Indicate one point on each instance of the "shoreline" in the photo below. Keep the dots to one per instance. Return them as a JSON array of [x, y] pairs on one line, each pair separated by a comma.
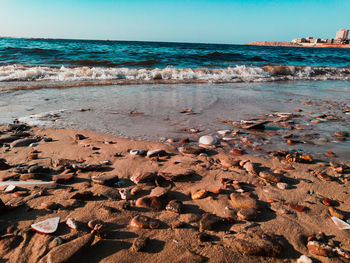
[[234, 206], [290, 44]]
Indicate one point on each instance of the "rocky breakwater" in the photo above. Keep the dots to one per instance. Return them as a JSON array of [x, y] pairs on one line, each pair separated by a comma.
[[90, 197]]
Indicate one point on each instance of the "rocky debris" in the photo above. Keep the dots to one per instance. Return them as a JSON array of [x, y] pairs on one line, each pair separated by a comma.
[[274, 178], [82, 195], [191, 150], [239, 201], [4, 165], [247, 214], [174, 206], [139, 244], [156, 153], [47, 226], [207, 140], [152, 202], [267, 245], [140, 221], [23, 142], [85, 167], [142, 177], [199, 194], [209, 222], [70, 251], [105, 179]]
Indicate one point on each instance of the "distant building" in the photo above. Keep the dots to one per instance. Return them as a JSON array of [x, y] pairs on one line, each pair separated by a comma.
[[342, 34]]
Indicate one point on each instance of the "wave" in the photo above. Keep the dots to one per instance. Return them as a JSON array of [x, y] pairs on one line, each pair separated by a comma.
[[12, 73]]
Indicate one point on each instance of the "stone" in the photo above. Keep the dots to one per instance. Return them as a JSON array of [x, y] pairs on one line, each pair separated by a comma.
[[82, 195], [250, 168], [191, 150], [49, 205], [47, 226], [142, 177], [124, 194], [105, 179], [137, 152], [304, 259], [139, 244], [72, 223], [8, 138], [70, 251], [337, 213], [320, 249], [85, 167], [29, 176], [199, 194], [224, 132], [156, 153], [23, 142], [174, 206], [256, 245], [209, 222], [159, 191], [63, 178], [274, 178], [207, 140], [282, 186], [239, 201], [38, 169], [4, 165], [247, 214], [152, 202], [144, 222]]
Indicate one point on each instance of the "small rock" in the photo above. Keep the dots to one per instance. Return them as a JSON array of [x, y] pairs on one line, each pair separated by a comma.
[[200, 194], [23, 142], [105, 179], [250, 168], [71, 223], [239, 201], [207, 140], [304, 259], [274, 178], [49, 205], [144, 222], [125, 194], [152, 202], [156, 153], [336, 212], [137, 152], [139, 244], [63, 178], [174, 206], [159, 192], [282, 186], [191, 150], [84, 167], [142, 177], [247, 214], [224, 132]]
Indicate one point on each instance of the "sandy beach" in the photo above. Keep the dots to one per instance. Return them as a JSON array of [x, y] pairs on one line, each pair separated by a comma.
[[120, 200]]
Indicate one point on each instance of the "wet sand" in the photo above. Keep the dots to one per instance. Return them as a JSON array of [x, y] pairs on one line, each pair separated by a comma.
[[231, 206]]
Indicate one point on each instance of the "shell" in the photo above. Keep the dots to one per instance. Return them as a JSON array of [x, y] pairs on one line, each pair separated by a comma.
[[207, 140], [47, 226]]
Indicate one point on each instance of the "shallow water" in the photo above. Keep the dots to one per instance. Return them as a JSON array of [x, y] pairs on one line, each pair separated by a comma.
[[110, 107]]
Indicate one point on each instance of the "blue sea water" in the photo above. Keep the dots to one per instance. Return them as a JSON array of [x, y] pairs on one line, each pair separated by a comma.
[[81, 60]]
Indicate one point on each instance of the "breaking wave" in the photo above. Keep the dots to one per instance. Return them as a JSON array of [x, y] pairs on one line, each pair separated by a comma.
[[12, 73]]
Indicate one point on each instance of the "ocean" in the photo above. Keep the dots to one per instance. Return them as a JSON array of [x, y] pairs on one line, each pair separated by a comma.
[[100, 85]]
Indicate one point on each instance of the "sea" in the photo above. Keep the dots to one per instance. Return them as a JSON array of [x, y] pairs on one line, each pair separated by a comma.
[[138, 89]]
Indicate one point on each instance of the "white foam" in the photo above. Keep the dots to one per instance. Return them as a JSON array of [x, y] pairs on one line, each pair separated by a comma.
[[230, 74]]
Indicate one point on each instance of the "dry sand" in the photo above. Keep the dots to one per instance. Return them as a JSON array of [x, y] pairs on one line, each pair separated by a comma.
[[278, 233]]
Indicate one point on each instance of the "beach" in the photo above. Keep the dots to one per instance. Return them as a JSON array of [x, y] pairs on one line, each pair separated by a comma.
[[175, 152]]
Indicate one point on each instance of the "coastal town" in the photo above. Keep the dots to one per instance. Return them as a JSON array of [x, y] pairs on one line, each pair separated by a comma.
[[341, 40]]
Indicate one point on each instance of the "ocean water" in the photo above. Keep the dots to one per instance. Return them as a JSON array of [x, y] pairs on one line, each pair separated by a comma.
[[81, 85], [60, 60]]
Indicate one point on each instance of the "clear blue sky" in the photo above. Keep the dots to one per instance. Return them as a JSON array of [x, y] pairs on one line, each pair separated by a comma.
[[210, 21]]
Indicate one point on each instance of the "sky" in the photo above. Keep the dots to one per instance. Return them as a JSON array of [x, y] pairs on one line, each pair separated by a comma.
[[204, 21]]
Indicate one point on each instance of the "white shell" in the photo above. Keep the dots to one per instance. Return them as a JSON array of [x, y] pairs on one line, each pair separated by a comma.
[[72, 223], [137, 152], [10, 188], [340, 223], [47, 226], [207, 140], [224, 132]]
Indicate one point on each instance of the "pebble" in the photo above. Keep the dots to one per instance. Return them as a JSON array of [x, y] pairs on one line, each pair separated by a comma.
[[139, 244], [199, 195], [137, 152], [282, 186], [195, 150], [247, 214], [62, 178], [105, 179], [207, 140], [274, 178], [156, 153], [125, 194], [23, 142], [152, 202], [85, 167], [159, 191], [250, 168], [174, 206], [145, 222], [71, 223], [224, 132], [304, 259], [142, 177], [49, 205], [239, 201]]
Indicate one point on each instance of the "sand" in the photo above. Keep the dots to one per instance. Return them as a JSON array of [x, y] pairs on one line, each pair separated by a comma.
[[285, 219]]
